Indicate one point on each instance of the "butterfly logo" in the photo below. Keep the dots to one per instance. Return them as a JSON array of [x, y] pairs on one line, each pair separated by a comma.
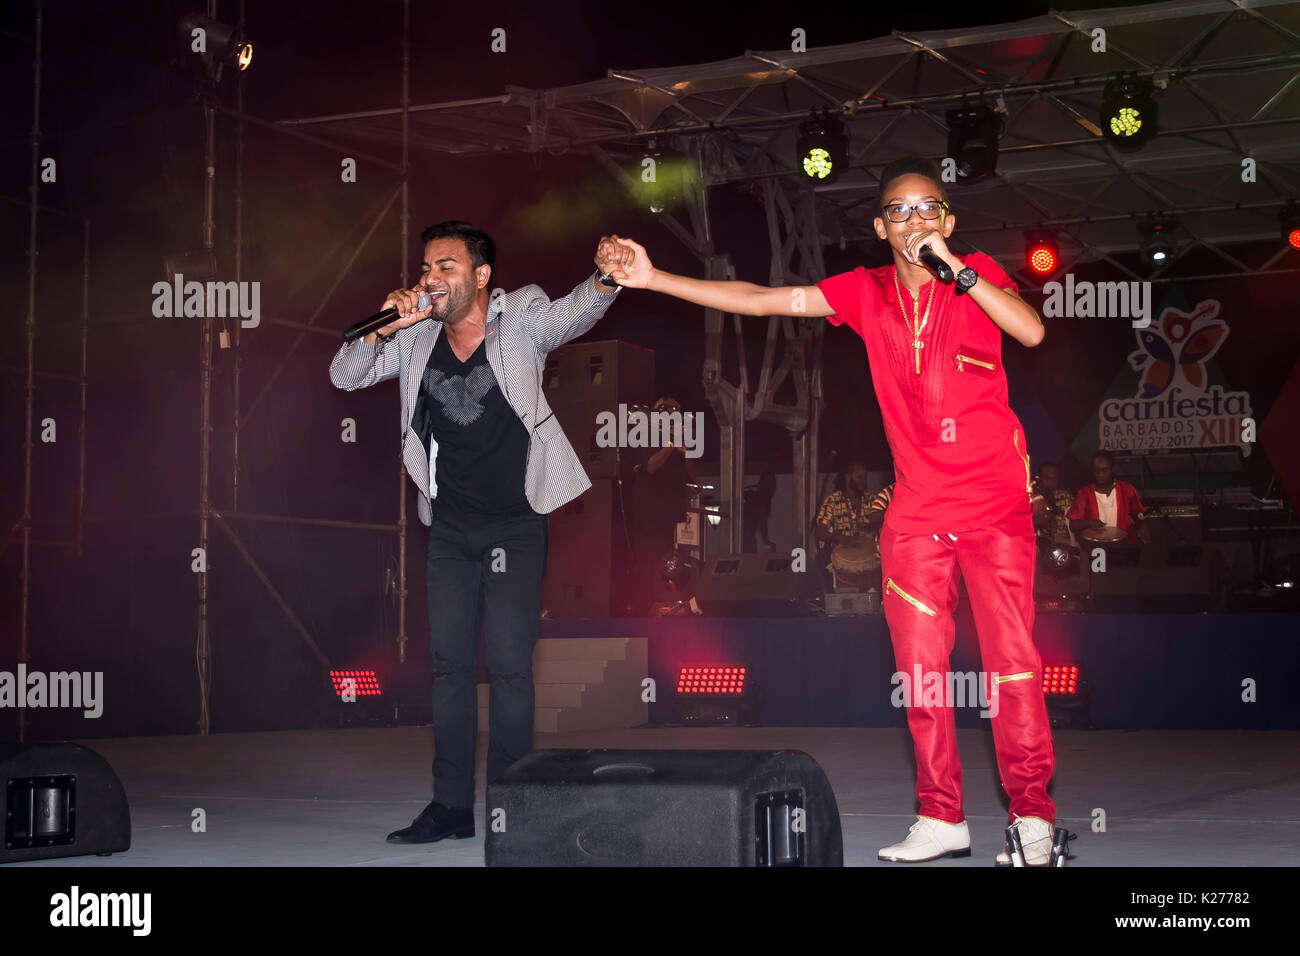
[[1180, 348]]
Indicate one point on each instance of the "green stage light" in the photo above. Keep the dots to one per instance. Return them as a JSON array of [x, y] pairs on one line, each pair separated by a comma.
[[1128, 113], [822, 149]]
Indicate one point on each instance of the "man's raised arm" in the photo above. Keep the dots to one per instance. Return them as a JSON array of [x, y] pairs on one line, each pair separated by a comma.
[[742, 298]]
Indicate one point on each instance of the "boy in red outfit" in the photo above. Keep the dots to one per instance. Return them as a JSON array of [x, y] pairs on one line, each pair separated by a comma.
[[962, 502]]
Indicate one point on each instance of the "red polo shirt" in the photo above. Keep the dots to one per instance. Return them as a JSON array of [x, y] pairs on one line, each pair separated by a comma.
[[960, 454]]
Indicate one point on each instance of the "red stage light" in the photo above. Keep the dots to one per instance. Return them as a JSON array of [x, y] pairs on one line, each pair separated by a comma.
[[1042, 254], [1042, 260], [362, 683], [1288, 220], [1061, 679], [716, 680]]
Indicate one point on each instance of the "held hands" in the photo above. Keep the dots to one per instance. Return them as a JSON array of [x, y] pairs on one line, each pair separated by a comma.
[[625, 261]]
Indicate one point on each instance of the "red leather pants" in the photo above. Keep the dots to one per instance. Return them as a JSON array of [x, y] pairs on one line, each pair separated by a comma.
[[921, 572]]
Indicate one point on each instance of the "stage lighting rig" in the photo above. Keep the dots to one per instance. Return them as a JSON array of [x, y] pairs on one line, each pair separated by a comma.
[[662, 178], [215, 43], [1156, 239], [1042, 254], [1128, 111], [822, 149], [1288, 221], [973, 142]]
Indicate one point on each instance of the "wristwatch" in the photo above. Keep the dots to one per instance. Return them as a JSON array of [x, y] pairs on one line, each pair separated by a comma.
[[965, 279], [605, 279]]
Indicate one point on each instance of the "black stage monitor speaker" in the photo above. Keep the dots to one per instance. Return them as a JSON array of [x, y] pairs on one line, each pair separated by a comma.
[[60, 800], [583, 379], [663, 808], [755, 585], [1160, 578], [585, 555]]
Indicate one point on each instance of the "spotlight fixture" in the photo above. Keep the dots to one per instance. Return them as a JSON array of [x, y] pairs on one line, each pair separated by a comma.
[[662, 177], [215, 43], [716, 694], [1288, 220], [973, 142], [358, 698], [1128, 112], [1156, 239], [822, 149], [1068, 697], [1042, 254]]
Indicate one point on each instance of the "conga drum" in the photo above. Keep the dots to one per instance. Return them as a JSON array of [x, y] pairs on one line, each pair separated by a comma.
[[854, 564]]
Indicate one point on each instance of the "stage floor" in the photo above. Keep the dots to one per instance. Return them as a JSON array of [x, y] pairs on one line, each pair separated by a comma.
[[328, 798]]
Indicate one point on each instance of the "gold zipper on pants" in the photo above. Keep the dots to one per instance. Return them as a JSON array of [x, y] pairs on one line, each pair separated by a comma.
[[1023, 675], [907, 597], [1029, 481]]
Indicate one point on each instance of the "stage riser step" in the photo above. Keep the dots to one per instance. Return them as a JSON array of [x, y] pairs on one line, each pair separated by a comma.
[[584, 693], [584, 649]]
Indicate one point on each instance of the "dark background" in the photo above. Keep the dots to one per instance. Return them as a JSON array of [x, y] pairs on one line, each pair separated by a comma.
[[119, 116]]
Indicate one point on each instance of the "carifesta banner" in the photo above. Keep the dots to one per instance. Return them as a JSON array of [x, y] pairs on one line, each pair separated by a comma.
[[1170, 394]]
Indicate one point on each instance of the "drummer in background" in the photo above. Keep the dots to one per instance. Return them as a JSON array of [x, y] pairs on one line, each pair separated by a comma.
[[1108, 503], [842, 517], [1052, 504], [876, 510]]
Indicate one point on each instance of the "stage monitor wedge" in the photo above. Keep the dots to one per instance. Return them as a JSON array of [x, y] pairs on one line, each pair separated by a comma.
[[61, 799], [663, 808]]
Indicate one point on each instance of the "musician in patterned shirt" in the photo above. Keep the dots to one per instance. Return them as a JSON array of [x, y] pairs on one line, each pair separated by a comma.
[[842, 517]]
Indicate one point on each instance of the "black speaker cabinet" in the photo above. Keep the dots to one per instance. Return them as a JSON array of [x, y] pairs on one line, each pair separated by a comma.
[[584, 379], [1159, 577], [60, 800], [755, 585], [663, 808], [586, 556]]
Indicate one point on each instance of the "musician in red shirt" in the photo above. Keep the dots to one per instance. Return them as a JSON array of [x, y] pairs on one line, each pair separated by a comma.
[[1108, 503], [961, 507]]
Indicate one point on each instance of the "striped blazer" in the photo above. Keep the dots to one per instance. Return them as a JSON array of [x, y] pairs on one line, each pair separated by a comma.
[[521, 328]]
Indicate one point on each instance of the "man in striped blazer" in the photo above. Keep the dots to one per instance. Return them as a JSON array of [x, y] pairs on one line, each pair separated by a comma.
[[489, 461]]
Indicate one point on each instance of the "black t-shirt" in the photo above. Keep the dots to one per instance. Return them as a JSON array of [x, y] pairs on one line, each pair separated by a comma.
[[482, 444]]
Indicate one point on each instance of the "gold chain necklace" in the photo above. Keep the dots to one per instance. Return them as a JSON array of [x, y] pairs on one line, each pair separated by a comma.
[[917, 344]]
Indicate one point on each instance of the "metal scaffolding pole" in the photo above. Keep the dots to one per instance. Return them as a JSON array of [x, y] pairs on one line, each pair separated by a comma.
[[406, 238], [203, 648], [78, 541], [211, 108], [30, 387], [239, 274]]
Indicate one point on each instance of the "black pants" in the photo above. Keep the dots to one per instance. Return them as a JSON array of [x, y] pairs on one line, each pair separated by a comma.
[[482, 570]]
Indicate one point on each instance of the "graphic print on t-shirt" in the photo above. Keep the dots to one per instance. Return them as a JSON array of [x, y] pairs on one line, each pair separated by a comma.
[[460, 397]]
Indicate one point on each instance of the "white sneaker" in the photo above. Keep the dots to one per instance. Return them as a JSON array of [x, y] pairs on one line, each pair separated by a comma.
[[929, 839], [1035, 840]]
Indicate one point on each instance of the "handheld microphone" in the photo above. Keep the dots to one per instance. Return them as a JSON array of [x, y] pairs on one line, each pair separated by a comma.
[[379, 320], [940, 268]]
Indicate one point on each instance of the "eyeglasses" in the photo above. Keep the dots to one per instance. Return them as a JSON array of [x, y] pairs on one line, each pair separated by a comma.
[[901, 211]]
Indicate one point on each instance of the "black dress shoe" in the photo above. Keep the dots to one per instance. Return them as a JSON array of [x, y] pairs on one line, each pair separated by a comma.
[[436, 822]]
